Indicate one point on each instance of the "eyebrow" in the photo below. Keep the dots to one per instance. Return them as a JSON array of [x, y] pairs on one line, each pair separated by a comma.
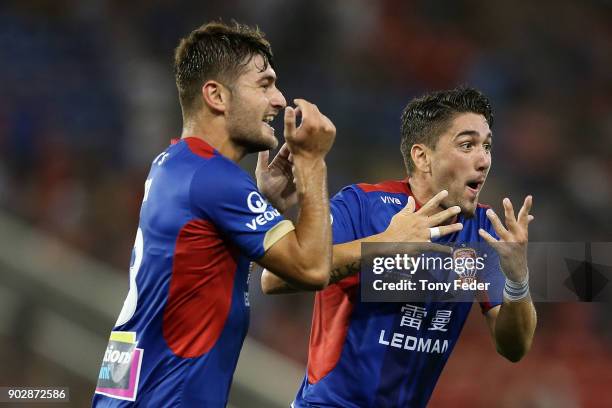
[[267, 77], [472, 133]]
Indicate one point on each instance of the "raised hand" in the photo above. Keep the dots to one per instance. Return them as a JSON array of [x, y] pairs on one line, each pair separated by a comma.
[[275, 180], [513, 238], [410, 226], [315, 135]]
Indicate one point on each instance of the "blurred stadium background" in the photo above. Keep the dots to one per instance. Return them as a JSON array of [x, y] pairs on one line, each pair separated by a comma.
[[87, 99]]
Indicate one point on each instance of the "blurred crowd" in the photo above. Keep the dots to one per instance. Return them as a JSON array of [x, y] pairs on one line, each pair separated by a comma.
[[87, 100]]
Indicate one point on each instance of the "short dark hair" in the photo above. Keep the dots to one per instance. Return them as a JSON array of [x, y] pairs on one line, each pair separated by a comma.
[[425, 118], [216, 51]]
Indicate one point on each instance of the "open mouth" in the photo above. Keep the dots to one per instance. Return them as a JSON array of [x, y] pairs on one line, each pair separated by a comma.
[[474, 186], [267, 120]]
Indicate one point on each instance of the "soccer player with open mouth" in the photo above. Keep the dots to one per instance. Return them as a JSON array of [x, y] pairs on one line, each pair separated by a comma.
[[203, 220], [383, 354]]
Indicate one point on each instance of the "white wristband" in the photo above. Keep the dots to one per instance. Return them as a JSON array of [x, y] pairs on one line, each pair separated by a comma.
[[515, 291]]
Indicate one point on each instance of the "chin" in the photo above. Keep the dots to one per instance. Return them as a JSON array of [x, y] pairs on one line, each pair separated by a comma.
[[257, 144], [469, 211], [266, 145], [265, 141]]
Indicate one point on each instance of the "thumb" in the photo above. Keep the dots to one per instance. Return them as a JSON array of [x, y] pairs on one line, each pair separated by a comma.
[[410, 206], [262, 161], [289, 123]]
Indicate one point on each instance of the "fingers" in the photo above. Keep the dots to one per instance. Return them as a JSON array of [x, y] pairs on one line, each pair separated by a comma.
[[442, 216], [410, 205], [289, 123], [487, 237], [283, 151], [523, 215], [307, 109], [429, 207], [530, 218], [501, 231], [328, 124], [449, 229], [262, 161], [509, 213], [281, 160], [282, 164]]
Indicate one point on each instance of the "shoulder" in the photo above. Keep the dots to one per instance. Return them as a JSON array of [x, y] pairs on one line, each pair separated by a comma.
[[391, 186], [222, 172], [365, 190], [377, 198], [393, 194], [208, 158], [220, 180]]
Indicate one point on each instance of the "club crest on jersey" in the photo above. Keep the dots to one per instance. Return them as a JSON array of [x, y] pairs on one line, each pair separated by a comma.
[[256, 203], [464, 260]]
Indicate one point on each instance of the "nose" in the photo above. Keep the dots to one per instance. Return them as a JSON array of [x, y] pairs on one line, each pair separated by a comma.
[[278, 100], [483, 160]]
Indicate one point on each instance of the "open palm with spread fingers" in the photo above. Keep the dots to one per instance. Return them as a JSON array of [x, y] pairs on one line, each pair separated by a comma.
[[513, 238], [409, 225]]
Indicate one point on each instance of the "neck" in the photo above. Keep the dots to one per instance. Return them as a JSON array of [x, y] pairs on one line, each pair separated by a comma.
[[422, 191], [213, 131], [420, 187]]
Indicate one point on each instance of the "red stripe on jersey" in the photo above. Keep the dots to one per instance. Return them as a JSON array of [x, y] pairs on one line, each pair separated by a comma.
[[200, 294], [397, 187], [394, 186], [330, 323], [200, 147]]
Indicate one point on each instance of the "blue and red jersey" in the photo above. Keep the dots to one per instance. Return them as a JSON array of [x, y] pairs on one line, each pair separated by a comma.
[[383, 355], [178, 337]]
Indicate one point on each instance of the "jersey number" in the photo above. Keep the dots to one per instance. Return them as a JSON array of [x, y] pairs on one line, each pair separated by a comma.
[[129, 306]]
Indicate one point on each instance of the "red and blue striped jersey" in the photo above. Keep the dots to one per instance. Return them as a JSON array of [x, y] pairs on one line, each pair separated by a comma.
[[383, 355], [177, 340]]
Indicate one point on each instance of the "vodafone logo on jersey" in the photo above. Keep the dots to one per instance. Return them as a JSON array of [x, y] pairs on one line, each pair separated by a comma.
[[256, 203]]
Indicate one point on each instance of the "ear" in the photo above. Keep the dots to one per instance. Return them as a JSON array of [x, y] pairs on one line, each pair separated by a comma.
[[215, 96], [421, 156]]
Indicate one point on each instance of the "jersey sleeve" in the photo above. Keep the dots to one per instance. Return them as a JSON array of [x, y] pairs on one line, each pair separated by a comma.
[[224, 194], [492, 272], [346, 209]]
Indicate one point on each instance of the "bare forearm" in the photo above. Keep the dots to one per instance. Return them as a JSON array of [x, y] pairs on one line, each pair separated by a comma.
[[346, 261], [514, 328], [313, 229]]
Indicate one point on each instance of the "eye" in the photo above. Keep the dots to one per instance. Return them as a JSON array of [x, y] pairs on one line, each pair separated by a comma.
[[488, 147], [265, 85], [466, 145]]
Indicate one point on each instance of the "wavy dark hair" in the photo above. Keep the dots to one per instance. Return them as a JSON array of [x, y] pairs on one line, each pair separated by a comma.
[[425, 118], [216, 51]]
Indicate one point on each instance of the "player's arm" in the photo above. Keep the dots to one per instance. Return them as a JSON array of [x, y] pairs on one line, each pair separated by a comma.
[[512, 324], [303, 257], [406, 226]]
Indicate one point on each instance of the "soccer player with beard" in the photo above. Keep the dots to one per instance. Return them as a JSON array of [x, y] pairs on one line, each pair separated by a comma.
[[203, 220], [377, 355]]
